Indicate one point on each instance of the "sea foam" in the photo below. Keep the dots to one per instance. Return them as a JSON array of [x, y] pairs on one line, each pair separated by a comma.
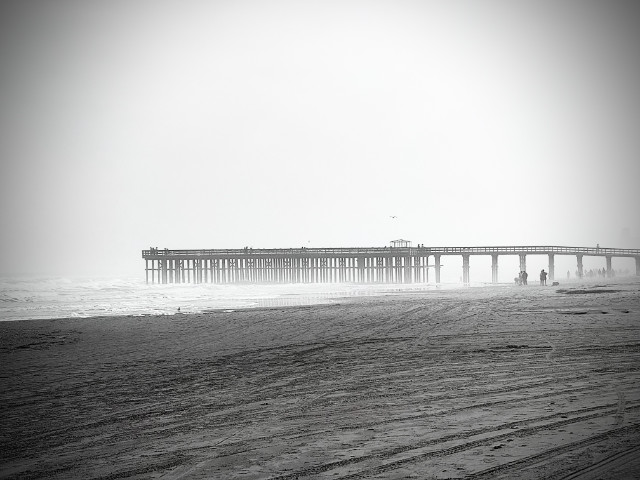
[[59, 297]]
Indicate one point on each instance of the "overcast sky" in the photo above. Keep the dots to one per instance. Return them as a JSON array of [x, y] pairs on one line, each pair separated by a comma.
[[224, 124]]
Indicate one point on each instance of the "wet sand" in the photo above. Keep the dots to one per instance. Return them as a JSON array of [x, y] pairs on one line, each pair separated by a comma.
[[497, 382]]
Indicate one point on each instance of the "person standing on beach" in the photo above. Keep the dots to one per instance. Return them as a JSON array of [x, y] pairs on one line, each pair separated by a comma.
[[543, 277], [525, 275]]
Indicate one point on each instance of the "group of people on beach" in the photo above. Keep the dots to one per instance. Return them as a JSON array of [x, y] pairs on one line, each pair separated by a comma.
[[523, 275], [522, 278], [601, 272]]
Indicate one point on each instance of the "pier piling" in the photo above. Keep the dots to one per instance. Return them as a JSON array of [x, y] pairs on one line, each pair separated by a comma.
[[494, 268], [437, 267], [465, 269], [580, 266], [523, 262]]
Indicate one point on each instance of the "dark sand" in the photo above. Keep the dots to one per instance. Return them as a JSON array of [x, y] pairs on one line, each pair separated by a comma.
[[496, 382]]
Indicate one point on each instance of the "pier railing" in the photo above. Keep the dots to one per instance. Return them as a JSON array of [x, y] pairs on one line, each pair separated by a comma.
[[392, 251]]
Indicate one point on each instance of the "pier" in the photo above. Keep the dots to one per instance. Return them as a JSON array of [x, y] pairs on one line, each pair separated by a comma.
[[404, 264]]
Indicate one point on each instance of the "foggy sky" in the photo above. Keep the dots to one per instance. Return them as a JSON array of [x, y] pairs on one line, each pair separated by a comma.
[[224, 124]]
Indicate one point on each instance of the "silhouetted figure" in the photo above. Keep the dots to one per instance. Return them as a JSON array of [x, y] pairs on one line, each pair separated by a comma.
[[525, 275], [568, 274], [543, 277]]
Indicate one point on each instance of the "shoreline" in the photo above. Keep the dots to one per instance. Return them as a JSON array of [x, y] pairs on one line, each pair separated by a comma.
[[288, 299]]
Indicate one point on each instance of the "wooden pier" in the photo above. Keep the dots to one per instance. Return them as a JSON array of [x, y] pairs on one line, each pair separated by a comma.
[[343, 265]]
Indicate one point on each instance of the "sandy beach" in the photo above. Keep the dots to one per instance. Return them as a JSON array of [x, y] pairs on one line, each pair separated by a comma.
[[495, 382]]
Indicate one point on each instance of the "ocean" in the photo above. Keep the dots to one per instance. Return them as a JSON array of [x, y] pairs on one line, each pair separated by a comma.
[[57, 297]]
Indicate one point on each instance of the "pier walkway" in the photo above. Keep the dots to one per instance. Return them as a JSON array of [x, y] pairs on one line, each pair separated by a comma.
[[339, 265]]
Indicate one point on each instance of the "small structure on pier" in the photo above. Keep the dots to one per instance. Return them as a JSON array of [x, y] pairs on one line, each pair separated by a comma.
[[400, 243]]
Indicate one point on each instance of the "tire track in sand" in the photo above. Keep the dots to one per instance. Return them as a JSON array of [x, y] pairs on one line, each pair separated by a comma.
[[515, 429]]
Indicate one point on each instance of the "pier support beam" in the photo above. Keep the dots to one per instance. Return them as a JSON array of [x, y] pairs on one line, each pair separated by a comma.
[[494, 268], [609, 270], [407, 270], [437, 266], [465, 269], [551, 267], [426, 269], [580, 269], [361, 278], [523, 262]]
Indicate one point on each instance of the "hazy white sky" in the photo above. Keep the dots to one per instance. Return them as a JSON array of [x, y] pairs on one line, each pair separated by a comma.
[[224, 124]]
